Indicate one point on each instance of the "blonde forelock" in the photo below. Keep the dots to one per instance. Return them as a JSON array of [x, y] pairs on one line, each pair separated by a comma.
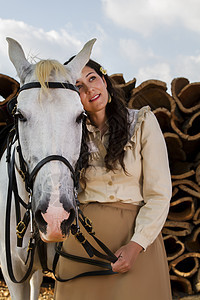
[[45, 68]]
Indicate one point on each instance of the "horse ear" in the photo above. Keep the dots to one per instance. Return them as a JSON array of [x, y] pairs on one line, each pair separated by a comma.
[[18, 58], [80, 60]]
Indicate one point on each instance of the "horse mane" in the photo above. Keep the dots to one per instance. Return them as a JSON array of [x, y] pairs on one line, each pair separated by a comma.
[[45, 68]]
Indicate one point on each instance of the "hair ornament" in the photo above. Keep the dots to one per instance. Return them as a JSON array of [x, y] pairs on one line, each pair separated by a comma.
[[103, 71]]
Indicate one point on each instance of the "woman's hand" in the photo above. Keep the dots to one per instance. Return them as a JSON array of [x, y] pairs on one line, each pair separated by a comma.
[[127, 255]]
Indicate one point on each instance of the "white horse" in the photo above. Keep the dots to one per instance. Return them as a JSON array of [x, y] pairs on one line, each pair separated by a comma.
[[49, 126]]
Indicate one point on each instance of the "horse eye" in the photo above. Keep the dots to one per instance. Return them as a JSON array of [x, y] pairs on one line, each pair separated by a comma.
[[20, 116], [81, 117]]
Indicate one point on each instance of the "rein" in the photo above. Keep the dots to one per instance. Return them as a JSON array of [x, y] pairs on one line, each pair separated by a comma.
[[28, 216]]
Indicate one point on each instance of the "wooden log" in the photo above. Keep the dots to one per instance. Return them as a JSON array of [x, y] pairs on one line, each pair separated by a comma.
[[8, 89], [174, 247], [189, 190], [192, 151], [118, 78], [174, 147], [178, 193], [178, 167], [198, 174], [186, 265], [152, 93], [186, 127], [196, 282], [177, 85], [182, 209], [184, 175], [180, 285], [188, 98], [175, 191], [176, 228], [127, 87], [192, 125], [177, 126], [163, 116], [192, 242], [186, 94], [196, 218], [188, 186]]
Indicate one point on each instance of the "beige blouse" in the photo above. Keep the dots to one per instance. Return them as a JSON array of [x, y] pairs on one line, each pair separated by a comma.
[[148, 182]]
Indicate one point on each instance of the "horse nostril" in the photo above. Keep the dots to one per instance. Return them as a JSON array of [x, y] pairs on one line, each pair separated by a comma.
[[40, 221], [65, 225]]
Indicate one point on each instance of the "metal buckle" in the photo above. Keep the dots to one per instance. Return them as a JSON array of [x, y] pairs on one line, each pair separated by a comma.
[[18, 231], [88, 225], [80, 237], [30, 246]]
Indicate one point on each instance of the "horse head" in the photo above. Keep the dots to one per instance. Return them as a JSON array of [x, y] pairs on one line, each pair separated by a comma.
[[49, 125]]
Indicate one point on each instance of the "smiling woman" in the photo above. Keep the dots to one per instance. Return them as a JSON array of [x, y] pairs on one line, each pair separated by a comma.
[[123, 193]]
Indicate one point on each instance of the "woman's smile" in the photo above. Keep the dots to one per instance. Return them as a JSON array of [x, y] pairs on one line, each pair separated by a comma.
[[94, 98]]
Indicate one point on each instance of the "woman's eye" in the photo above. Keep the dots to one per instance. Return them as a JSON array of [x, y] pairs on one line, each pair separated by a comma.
[[92, 78]]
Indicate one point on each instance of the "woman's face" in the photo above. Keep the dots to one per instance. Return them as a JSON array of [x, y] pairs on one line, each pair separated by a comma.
[[93, 91]]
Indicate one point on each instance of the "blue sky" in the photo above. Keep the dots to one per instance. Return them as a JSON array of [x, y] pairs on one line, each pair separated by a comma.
[[146, 39]]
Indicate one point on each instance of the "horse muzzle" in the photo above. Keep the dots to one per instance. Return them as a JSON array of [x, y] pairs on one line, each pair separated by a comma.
[[54, 223]]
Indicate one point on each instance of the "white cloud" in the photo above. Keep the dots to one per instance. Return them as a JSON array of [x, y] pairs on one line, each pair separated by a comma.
[[144, 16], [134, 51], [144, 61], [160, 71], [188, 66]]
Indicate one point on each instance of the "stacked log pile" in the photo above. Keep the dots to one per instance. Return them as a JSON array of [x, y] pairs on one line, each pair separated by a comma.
[[179, 117]]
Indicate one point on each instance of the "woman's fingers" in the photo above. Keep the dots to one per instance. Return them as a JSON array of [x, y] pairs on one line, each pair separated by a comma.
[[126, 257]]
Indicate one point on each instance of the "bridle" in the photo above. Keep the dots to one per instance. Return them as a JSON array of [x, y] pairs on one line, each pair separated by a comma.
[[28, 216], [28, 179]]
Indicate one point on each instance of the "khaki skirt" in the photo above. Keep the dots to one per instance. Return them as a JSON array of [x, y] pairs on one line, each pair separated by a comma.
[[114, 225]]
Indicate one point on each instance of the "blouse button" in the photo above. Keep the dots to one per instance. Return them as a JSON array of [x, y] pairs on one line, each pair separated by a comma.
[[111, 197], [110, 182]]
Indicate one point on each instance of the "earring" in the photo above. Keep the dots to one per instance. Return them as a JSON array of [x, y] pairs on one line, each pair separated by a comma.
[[109, 98]]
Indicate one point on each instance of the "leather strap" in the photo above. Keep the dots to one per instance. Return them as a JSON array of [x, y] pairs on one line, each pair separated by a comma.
[[94, 262], [91, 251], [46, 160], [51, 85], [31, 249]]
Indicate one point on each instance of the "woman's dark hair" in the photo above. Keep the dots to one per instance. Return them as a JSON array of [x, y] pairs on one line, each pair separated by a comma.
[[117, 118]]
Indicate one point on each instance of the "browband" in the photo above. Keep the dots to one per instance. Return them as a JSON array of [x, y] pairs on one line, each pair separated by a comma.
[[51, 85]]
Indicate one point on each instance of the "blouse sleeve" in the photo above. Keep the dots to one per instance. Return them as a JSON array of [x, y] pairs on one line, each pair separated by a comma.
[[156, 183]]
